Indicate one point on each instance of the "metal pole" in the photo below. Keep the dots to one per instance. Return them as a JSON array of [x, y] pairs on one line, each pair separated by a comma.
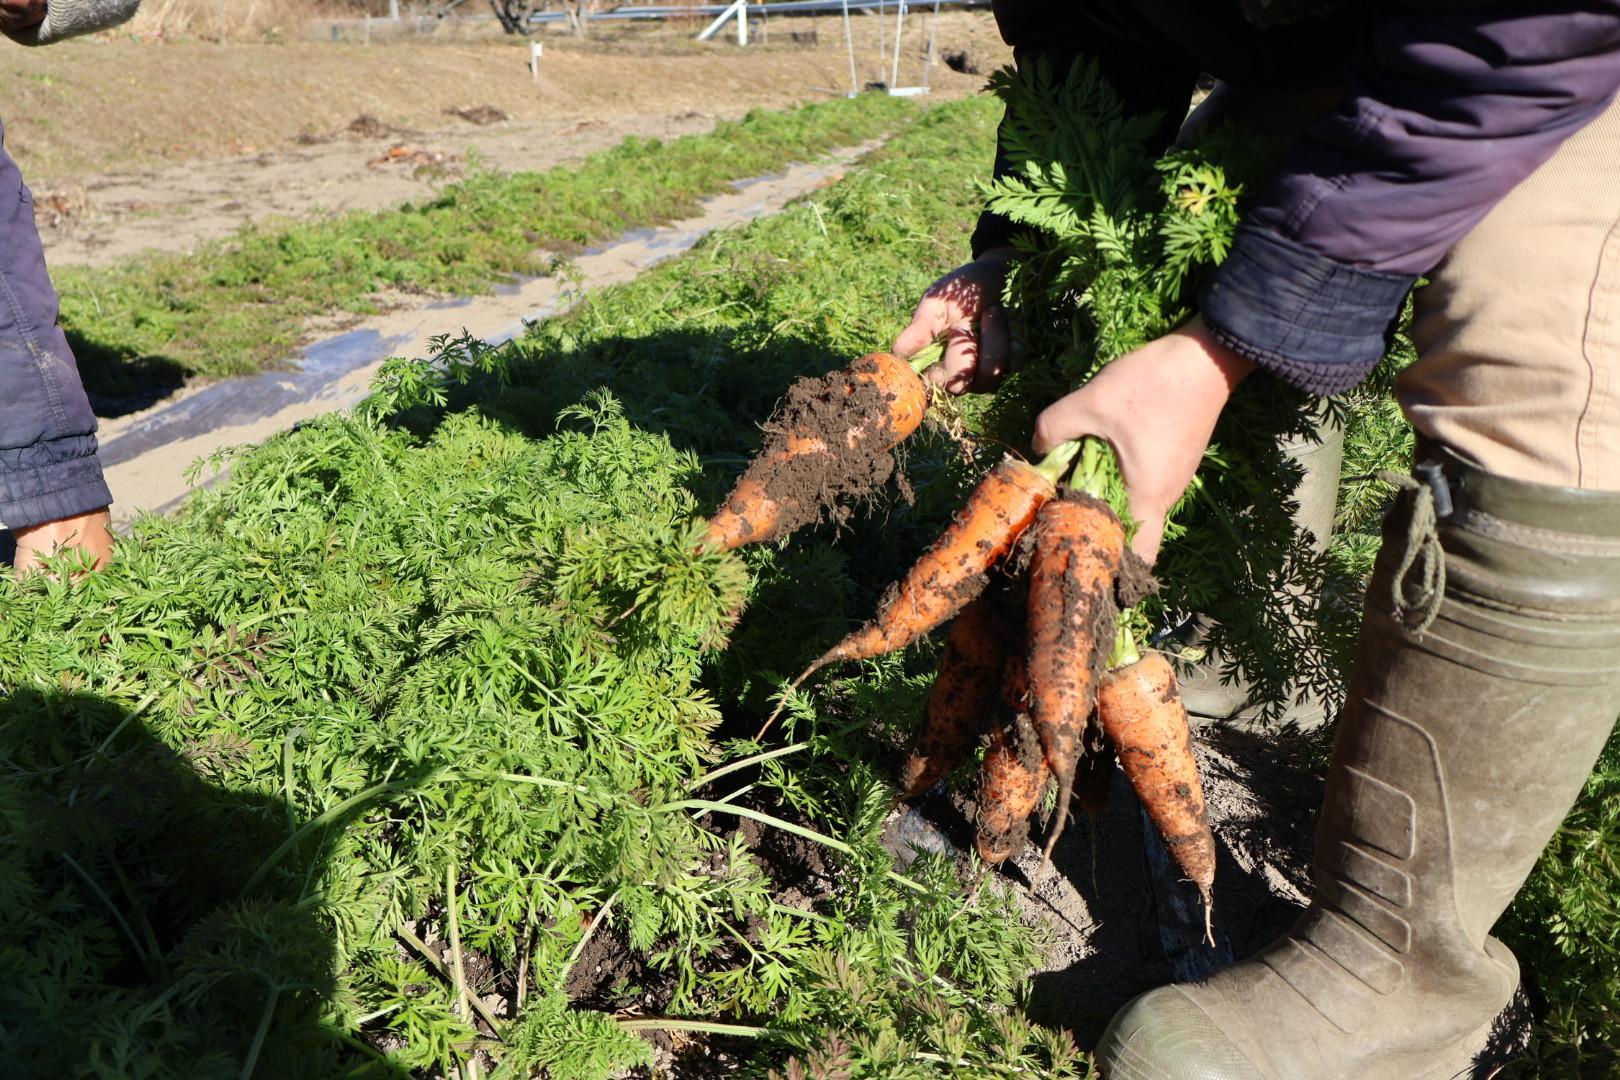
[[899, 15], [933, 36], [849, 43], [739, 8], [883, 42]]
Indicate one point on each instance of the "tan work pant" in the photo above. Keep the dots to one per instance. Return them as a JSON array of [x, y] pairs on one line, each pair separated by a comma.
[[1518, 333]]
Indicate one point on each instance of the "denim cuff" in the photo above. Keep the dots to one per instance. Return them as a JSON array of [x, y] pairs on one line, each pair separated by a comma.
[[1318, 324], [51, 480]]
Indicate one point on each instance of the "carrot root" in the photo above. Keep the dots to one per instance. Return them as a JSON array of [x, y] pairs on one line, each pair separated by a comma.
[[815, 666], [951, 573], [770, 499], [962, 699], [1141, 711], [1079, 544]]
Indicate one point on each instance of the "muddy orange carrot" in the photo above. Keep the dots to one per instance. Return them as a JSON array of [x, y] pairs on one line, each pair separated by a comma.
[[1141, 711], [952, 571], [826, 428], [1011, 781], [1078, 546], [962, 702]]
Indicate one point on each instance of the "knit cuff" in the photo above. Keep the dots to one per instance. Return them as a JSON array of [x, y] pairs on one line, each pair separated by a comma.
[[71, 18], [51, 480], [1319, 324]]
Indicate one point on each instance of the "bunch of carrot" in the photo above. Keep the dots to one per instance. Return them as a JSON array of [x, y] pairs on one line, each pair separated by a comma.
[[1069, 695], [1076, 694]]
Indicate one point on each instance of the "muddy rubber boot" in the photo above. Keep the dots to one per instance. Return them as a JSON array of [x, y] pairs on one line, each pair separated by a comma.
[[1206, 696], [1487, 680]]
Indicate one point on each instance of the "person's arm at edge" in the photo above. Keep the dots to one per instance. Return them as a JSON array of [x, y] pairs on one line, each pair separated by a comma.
[[1445, 112]]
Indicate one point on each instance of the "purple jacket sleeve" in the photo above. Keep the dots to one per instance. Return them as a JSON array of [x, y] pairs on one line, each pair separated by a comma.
[[1445, 111]]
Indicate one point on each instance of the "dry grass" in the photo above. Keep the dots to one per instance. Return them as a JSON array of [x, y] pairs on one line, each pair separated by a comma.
[[228, 19]]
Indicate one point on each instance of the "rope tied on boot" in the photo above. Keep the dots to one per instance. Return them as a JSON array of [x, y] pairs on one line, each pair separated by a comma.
[[1419, 582]]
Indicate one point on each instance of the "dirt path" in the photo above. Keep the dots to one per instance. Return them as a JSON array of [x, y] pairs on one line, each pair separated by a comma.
[[146, 454], [132, 147]]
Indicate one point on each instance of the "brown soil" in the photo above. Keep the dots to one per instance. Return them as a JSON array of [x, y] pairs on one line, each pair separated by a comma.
[[132, 145], [1135, 582], [1108, 907]]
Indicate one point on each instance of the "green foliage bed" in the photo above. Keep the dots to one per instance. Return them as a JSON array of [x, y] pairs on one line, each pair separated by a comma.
[[422, 704], [445, 675]]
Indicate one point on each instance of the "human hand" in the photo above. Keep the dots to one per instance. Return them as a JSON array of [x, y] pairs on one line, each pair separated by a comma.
[[91, 533], [20, 15], [1157, 407], [963, 308]]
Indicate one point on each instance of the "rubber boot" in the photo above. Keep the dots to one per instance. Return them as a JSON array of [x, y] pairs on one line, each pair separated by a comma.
[[1486, 683], [1204, 693]]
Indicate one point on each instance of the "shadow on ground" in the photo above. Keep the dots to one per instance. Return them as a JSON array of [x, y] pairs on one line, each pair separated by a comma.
[[119, 381], [1143, 927], [159, 922]]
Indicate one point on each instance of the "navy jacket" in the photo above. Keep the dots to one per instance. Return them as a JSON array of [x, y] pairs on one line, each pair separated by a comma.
[[1446, 106]]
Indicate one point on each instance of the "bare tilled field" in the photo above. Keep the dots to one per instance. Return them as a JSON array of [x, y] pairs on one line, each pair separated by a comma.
[[136, 145]]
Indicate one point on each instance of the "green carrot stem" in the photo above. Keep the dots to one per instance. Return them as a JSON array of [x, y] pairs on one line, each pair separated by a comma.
[[1091, 475], [927, 356], [744, 763], [1058, 459], [260, 1032], [1125, 651], [671, 1023]]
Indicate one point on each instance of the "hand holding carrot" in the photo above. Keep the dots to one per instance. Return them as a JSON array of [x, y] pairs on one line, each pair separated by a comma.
[[1157, 406], [964, 308]]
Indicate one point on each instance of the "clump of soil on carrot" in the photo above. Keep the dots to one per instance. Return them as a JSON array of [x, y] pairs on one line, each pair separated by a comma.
[[1009, 791], [1135, 582], [849, 417]]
